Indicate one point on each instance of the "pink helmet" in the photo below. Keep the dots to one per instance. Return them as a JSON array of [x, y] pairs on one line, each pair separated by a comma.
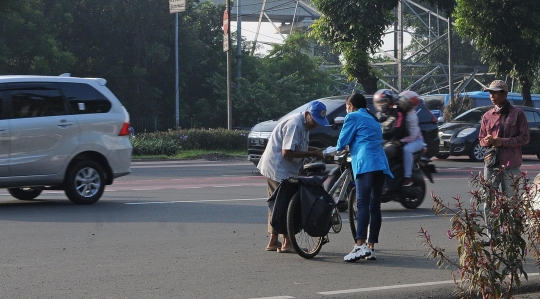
[[408, 99]]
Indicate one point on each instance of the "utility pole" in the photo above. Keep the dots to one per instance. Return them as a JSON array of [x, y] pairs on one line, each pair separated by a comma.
[[238, 44], [177, 6], [226, 48], [400, 47], [450, 61]]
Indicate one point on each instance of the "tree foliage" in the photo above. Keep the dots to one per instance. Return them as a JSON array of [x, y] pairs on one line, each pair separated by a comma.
[[285, 79], [355, 28], [505, 32], [132, 45]]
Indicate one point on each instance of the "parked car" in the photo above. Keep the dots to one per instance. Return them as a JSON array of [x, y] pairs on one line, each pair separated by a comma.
[[61, 133], [325, 136], [460, 136]]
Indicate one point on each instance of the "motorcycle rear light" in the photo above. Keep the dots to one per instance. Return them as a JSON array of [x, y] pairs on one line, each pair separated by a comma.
[[125, 130]]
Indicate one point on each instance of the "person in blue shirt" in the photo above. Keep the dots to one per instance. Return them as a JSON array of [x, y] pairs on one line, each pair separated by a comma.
[[362, 133]]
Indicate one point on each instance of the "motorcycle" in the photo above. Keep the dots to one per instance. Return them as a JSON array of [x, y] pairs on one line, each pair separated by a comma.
[[410, 197]]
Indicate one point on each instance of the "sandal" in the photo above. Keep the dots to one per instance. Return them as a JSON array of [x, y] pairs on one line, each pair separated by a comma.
[[274, 248]]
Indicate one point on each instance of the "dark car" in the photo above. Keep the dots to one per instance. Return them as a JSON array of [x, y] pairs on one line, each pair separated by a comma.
[[460, 136], [325, 136]]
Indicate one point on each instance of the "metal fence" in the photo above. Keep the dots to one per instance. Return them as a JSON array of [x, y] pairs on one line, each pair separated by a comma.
[[152, 124]]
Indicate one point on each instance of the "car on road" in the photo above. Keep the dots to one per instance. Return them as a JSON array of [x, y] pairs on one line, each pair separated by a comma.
[[459, 137], [325, 136], [61, 133]]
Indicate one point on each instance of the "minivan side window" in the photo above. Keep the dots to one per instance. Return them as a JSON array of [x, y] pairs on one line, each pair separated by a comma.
[[1, 105], [37, 100], [85, 99]]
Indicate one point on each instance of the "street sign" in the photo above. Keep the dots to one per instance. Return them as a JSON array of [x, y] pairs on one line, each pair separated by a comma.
[[177, 6], [225, 23], [225, 31], [225, 43]]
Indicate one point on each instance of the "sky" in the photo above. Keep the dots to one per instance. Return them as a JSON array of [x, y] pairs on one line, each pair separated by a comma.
[[267, 35]]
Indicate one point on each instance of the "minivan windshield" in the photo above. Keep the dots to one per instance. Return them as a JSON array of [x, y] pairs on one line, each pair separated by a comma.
[[471, 116], [331, 106]]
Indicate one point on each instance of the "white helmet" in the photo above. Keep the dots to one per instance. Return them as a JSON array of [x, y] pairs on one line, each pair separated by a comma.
[[408, 99]]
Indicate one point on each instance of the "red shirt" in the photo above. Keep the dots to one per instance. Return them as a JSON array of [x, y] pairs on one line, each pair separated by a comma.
[[516, 134]]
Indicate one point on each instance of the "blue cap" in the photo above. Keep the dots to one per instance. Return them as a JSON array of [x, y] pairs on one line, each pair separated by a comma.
[[318, 112]]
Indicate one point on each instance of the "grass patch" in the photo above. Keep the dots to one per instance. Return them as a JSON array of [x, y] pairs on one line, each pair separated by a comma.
[[196, 154], [190, 144]]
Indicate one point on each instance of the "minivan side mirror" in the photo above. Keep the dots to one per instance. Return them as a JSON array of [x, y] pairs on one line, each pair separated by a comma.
[[338, 121]]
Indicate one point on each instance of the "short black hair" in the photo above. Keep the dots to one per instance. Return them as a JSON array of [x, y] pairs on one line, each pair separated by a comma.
[[357, 100]]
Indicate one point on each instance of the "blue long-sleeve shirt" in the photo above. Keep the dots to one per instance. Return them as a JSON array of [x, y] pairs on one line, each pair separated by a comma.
[[363, 134]]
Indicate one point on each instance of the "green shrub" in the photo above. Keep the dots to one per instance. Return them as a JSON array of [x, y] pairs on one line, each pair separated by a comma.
[[174, 142], [144, 144], [496, 270]]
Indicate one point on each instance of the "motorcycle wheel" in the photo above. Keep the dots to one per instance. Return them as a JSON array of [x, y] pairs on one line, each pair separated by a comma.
[[415, 201], [353, 211]]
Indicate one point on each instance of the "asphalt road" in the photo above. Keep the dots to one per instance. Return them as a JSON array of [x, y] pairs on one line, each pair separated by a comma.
[[197, 229]]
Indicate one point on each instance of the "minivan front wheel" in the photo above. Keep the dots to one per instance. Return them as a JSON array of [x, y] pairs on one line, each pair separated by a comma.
[[84, 182], [25, 193]]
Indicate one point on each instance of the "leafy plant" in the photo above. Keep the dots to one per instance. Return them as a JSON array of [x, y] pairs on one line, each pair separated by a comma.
[[174, 142], [493, 271], [456, 106]]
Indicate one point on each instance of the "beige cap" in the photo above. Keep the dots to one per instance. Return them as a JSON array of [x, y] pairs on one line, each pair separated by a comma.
[[497, 85]]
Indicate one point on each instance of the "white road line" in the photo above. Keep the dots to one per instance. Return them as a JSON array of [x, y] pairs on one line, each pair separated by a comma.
[[194, 201], [226, 186], [187, 165], [411, 216], [399, 286], [396, 217]]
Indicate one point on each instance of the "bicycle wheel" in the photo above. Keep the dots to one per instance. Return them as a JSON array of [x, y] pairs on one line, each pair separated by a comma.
[[336, 221], [353, 211], [305, 245]]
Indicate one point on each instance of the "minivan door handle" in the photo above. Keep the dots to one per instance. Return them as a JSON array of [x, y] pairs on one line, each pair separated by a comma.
[[64, 124]]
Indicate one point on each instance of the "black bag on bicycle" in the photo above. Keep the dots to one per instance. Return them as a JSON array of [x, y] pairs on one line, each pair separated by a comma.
[[282, 195], [317, 206]]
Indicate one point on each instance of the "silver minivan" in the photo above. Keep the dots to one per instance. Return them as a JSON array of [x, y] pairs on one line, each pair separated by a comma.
[[61, 133]]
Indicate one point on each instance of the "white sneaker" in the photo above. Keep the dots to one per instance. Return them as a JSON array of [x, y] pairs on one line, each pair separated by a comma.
[[371, 255], [357, 253]]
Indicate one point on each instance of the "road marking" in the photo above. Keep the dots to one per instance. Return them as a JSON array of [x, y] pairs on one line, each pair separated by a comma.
[[396, 217], [226, 186], [399, 286], [194, 201], [187, 165], [410, 216], [275, 297]]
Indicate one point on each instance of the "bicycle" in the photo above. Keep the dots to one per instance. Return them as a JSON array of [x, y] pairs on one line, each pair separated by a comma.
[[349, 196], [305, 245]]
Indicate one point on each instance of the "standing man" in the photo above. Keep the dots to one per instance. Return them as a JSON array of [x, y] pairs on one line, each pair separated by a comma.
[[503, 126], [284, 155]]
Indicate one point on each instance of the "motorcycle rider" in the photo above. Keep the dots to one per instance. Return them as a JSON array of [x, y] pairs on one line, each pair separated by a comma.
[[391, 117], [408, 100]]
